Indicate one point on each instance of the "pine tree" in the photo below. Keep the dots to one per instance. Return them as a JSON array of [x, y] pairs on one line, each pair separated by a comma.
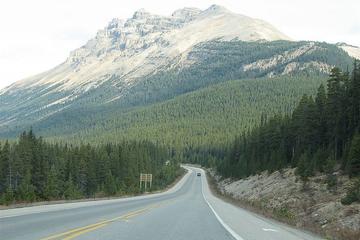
[[2, 172], [26, 191], [71, 191], [7, 168], [52, 188], [321, 127], [38, 163], [304, 167], [102, 167], [334, 109], [354, 157], [354, 94], [110, 184]]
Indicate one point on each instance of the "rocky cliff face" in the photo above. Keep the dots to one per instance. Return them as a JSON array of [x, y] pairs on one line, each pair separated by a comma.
[[137, 46]]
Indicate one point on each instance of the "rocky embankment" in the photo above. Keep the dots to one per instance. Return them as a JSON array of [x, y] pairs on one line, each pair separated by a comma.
[[282, 195]]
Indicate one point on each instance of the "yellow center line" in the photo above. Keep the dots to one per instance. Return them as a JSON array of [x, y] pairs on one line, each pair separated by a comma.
[[137, 212], [72, 236], [132, 215], [74, 230], [68, 235]]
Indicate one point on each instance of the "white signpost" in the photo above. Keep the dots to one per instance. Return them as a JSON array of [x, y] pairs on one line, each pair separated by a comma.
[[146, 178]]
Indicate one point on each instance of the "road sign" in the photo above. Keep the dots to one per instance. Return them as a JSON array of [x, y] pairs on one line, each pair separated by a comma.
[[146, 178]]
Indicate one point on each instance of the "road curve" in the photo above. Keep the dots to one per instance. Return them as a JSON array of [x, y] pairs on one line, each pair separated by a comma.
[[187, 211]]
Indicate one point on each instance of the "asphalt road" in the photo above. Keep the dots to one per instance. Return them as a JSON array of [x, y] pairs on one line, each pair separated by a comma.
[[187, 211]]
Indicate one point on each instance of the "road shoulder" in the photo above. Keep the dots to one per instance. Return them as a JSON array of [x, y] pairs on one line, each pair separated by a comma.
[[248, 225]]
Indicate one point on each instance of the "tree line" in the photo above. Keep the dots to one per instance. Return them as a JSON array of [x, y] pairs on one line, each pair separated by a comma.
[[32, 169], [321, 134]]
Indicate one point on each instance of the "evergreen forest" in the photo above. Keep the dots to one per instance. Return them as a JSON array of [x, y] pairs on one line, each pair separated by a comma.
[[35, 170], [320, 135]]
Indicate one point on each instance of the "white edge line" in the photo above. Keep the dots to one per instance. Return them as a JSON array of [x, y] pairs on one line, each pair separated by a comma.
[[227, 227], [269, 230]]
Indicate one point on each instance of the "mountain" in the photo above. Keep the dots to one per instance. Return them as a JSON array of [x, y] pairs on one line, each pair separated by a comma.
[[149, 58], [137, 46], [353, 51]]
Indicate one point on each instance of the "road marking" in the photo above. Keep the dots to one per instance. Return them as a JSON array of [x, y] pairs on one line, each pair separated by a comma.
[[72, 236], [74, 231], [79, 231], [269, 230], [133, 215], [227, 227]]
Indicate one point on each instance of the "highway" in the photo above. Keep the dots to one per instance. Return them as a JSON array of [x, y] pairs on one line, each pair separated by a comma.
[[186, 211]]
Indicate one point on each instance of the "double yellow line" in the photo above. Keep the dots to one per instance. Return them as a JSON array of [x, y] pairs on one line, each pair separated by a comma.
[[79, 231]]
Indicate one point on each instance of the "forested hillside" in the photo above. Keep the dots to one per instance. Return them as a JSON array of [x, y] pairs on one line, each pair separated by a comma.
[[33, 170], [211, 116], [322, 134], [207, 64], [219, 61]]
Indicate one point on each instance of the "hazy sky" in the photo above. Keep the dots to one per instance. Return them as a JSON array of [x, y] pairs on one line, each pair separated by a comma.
[[38, 34]]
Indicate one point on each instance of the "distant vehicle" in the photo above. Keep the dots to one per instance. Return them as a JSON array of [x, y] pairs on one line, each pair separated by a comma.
[[198, 174]]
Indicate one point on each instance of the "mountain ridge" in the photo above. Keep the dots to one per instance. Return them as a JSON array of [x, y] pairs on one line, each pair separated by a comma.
[[149, 58], [151, 29]]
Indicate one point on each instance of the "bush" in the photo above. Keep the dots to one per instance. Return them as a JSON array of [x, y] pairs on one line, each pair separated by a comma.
[[353, 194], [283, 213], [331, 181], [8, 197]]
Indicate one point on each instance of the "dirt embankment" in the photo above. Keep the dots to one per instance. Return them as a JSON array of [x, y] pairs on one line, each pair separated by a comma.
[[281, 195]]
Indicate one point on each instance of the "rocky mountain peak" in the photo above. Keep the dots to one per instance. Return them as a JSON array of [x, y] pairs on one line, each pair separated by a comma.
[[186, 13], [137, 46], [141, 13], [116, 23], [216, 8]]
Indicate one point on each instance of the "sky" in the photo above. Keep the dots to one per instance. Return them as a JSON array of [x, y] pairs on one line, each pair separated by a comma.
[[37, 35]]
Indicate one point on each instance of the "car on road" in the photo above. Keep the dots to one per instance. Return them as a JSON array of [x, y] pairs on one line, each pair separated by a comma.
[[198, 174]]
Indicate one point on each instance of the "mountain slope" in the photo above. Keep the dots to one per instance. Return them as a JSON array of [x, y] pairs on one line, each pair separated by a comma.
[[148, 58], [210, 116], [213, 62], [353, 51], [134, 48]]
